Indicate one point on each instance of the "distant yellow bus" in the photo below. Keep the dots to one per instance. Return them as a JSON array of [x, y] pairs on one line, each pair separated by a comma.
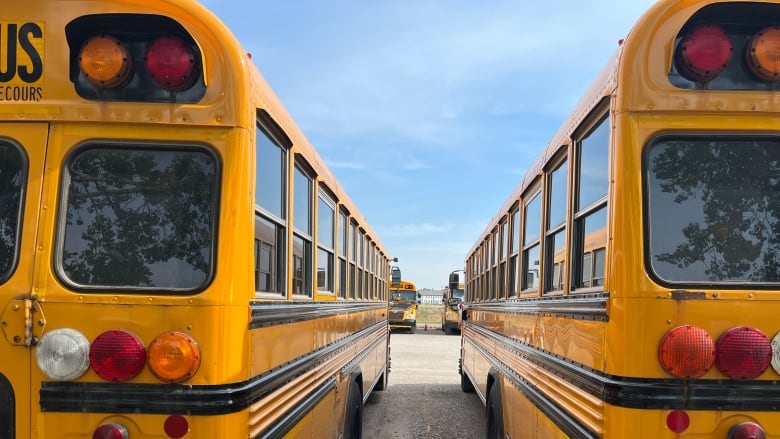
[[629, 287], [453, 303], [176, 260], [404, 299]]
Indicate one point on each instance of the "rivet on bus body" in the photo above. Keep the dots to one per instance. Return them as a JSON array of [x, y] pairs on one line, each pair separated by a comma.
[[149, 299], [668, 322], [189, 327], [15, 307], [715, 295], [115, 299], [750, 296]]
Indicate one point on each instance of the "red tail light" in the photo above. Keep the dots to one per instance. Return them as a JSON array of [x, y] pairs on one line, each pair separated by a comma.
[[747, 430], [171, 63], [110, 431], [686, 352], [117, 355], [704, 53], [743, 353]]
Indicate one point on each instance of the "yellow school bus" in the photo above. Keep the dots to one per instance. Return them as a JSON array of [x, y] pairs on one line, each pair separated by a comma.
[[629, 286], [453, 303], [404, 299], [176, 260]]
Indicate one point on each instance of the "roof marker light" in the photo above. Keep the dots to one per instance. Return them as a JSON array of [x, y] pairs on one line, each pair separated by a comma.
[[704, 53], [171, 63], [105, 62], [763, 54]]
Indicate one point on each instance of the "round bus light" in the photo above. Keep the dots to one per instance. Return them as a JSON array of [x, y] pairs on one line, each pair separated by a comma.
[[110, 431], [117, 355], [105, 62], [686, 352], [176, 426], [678, 421], [174, 357], [63, 354], [704, 53], [170, 63], [747, 430], [776, 353], [743, 353], [763, 54]]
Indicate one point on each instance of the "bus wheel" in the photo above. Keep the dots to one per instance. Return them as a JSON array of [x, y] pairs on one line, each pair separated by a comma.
[[382, 383], [465, 383], [495, 413], [413, 328], [353, 421]]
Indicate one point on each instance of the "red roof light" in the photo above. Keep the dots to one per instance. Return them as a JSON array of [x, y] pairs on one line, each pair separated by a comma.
[[171, 63], [704, 53]]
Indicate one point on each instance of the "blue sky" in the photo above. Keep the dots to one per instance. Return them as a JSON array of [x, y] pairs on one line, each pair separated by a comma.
[[429, 112]]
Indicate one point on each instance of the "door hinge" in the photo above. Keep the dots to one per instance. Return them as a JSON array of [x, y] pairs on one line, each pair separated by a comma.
[[22, 322]]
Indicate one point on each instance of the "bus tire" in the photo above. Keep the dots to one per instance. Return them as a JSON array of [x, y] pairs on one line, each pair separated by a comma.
[[353, 419], [382, 383], [465, 383], [413, 328], [495, 413]]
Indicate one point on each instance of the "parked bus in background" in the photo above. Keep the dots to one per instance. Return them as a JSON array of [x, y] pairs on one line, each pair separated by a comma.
[[629, 286], [176, 258], [453, 303], [404, 299]]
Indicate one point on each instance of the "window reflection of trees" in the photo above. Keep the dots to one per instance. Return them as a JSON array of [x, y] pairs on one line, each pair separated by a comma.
[[714, 208], [140, 218], [11, 182]]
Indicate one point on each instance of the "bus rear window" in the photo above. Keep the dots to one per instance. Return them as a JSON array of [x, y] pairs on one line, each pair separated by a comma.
[[139, 218], [12, 172], [714, 209]]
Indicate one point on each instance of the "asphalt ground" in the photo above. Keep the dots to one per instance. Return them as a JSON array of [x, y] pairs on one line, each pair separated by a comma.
[[423, 399]]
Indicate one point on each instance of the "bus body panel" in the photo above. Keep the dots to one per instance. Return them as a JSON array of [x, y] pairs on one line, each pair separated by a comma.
[[29, 140]]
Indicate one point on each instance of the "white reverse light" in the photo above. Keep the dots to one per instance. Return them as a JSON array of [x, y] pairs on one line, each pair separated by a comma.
[[63, 354]]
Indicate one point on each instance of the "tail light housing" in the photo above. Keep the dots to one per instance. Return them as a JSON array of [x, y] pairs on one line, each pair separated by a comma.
[[747, 430], [686, 352], [63, 354], [134, 58], [174, 357], [117, 355], [728, 46], [110, 431], [743, 353]]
